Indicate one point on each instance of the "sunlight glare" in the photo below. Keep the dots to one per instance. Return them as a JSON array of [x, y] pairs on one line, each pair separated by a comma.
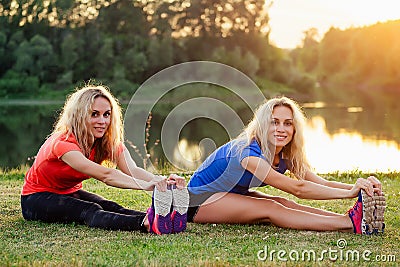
[[348, 151], [187, 155], [289, 19]]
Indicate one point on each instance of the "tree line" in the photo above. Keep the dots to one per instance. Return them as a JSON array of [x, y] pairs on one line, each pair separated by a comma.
[[363, 59], [48, 47]]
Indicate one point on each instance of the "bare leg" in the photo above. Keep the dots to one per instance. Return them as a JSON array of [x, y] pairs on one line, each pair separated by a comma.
[[292, 204], [235, 208]]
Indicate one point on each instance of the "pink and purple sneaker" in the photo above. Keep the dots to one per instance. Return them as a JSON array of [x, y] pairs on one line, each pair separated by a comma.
[[159, 214], [367, 214], [180, 204]]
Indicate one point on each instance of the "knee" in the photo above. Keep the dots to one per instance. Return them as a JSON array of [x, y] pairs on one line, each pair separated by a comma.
[[269, 208], [285, 202], [92, 209], [110, 206], [92, 215], [272, 204]]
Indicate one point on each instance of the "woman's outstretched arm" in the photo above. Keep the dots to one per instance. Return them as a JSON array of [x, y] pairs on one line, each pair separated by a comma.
[[128, 166], [312, 177], [301, 188], [109, 176]]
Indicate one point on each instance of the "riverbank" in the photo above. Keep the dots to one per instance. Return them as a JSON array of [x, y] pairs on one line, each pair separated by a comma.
[[25, 243]]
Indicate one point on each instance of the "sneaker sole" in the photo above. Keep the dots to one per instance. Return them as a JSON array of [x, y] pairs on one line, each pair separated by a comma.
[[180, 204], [180, 201], [373, 213], [379, 222], [162, 202]]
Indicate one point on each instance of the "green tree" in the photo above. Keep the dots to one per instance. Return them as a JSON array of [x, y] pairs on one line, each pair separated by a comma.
[[222, 18], [104, 60], [35, 58], [15, 84], [160, 52], [90, 42], [69, 54], [244, 61], [4, 59], [68, 58], [334, 54], [120, 86], [123, 17], [44, 58], [135, 63], [24, 59], [306, 57]]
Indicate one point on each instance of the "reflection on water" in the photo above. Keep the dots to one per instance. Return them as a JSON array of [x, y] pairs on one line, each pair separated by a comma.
[[187, 156], [347, 151], [327, 153]]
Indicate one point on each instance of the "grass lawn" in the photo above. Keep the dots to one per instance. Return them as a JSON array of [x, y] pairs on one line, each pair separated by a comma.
[[25, 243]]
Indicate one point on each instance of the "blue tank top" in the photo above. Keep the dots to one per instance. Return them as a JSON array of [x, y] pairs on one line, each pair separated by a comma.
[[222, 171]]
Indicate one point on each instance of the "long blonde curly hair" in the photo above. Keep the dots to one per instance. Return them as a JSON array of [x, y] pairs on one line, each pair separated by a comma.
[[75, 117], [258, 127]]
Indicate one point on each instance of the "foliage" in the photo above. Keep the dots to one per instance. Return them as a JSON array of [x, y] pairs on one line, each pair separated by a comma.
[[57, 44], [365, 58]]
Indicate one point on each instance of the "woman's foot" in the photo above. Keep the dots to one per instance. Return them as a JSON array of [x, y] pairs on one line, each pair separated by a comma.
[[180, 204], [158, 214], [378, 224], [367, 214]]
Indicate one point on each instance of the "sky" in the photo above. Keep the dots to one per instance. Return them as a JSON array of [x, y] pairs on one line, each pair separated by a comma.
[[290, 18]]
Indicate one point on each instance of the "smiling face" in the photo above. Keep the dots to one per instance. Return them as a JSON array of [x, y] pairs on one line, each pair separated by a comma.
[[101, 117], [281, 130]]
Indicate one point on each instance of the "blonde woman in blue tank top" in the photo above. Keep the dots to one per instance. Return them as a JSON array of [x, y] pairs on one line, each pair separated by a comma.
[[271, 144]]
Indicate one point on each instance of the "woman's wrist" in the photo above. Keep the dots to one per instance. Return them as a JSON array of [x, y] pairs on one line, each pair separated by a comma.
[[148, 186], [156, 178], [352, 193]]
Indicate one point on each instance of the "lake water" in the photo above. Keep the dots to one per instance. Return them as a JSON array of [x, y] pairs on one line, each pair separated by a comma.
[[359, 135]]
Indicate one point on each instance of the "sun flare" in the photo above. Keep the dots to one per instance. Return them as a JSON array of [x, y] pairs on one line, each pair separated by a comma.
[[290, 18]]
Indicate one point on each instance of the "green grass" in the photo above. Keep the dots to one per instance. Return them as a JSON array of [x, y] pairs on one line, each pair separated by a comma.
[[25, 243]]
